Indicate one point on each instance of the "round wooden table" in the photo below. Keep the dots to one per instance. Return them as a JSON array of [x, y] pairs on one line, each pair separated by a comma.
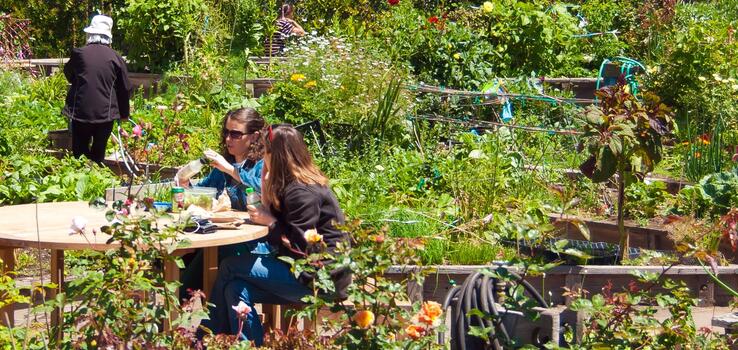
[[48, 226]]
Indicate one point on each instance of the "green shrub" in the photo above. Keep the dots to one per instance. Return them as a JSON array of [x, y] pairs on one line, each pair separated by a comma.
[[158, 33]]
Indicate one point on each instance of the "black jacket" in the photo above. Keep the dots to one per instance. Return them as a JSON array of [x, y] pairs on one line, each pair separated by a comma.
[[100, 86], [306, 207]]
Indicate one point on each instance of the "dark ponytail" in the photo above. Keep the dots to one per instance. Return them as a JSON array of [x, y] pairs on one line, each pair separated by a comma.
[[284, 10]]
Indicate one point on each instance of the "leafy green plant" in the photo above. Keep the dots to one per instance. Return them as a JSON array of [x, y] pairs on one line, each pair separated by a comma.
[[712, 196], [372, 316], [120, 297], [157, 33], [618, 319], [623, 137], [36, 178], [335, 81], [643, 201]]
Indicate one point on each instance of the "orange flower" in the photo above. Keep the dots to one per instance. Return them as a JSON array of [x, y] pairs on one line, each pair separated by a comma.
[[697, 154], [430, 313], [364, 318], [415, 331]]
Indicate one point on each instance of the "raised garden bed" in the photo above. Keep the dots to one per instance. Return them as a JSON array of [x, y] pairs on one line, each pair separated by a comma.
[[258, 86], [648, 237], [673, 186], [442, 278], [60, 139], [119, 168]]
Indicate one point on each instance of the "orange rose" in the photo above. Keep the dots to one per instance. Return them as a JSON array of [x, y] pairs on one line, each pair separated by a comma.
[[432, 309], [415, 331], [364, 318], [430, 313]]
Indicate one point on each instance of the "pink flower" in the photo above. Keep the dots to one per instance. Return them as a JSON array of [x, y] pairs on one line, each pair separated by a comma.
[[137, 131], [242, 310]]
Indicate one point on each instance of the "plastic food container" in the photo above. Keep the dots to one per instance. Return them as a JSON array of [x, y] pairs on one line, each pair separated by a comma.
[[200, 196], [163, 206]]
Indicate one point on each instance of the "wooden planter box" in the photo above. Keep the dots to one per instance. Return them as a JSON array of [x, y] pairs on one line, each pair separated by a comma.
[[60, 139], [654, 237], [442, 278], [119, 168], [581, 87], [258, 86], [139, 191], [150, 83], [673, 186], [266, 60], [648, 237]]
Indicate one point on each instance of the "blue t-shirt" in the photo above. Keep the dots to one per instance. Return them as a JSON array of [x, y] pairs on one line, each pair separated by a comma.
[[250, 173]]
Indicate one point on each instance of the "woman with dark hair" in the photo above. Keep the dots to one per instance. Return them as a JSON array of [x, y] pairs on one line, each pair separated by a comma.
[[296, 199], [238, 168], [286, 27], [241, 164], [99, 90]]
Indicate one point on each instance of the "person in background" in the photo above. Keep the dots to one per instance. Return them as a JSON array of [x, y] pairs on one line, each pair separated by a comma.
[[296, 198], [286, 27], [239, 167], [99, 92]]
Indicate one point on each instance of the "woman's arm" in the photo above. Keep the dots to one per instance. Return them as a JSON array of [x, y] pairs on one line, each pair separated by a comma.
[[296, 28], [123, 89], [252, 177], [69, 67]]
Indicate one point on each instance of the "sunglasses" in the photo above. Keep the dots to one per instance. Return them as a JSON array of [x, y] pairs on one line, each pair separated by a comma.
[[235, 134]]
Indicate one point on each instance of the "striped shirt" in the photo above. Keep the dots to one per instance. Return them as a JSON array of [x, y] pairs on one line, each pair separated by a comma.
[[276, 46]]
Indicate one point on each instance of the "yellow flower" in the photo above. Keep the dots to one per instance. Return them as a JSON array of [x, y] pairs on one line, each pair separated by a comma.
[[312, 236], [487, 7], [457, 56], [297, 77], [311, 84], [364, 318]]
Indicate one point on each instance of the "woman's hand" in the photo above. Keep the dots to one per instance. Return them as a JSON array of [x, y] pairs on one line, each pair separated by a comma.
[[219, 162], [260, 215]]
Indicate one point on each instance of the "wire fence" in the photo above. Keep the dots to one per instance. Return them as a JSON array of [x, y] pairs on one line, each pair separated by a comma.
[[14, 39]]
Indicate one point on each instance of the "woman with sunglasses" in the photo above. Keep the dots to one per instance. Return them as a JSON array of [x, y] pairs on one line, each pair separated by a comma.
[[240, 164], [296, 198], [238, 168]]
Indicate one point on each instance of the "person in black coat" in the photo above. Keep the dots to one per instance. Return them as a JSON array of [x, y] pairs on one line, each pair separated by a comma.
[[297, 205], [99, 91]]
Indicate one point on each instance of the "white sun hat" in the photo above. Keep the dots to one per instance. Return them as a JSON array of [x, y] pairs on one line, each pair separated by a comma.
[[100, 25]]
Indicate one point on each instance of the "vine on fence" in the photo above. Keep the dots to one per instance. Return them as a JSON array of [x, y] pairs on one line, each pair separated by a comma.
[[14, 39]]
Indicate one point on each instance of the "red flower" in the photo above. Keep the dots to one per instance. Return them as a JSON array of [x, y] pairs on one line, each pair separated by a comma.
[[433, 20], [393, 2]]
